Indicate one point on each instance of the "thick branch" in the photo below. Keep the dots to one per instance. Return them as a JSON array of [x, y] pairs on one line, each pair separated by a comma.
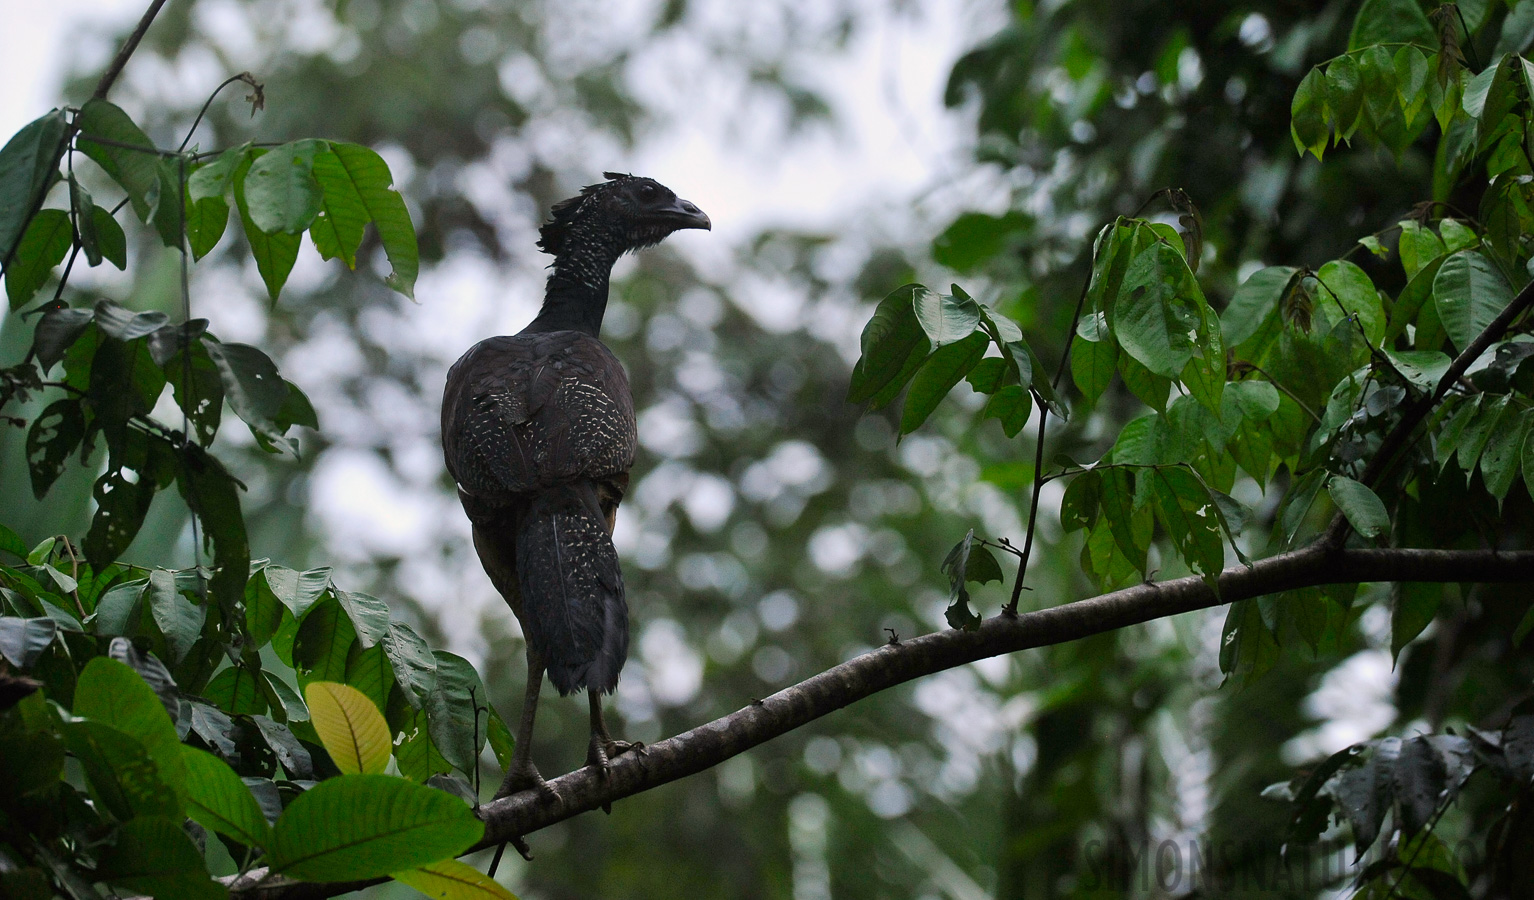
[[708, 745]]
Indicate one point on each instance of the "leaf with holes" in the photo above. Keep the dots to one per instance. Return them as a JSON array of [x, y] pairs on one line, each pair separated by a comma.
[[54, 435]]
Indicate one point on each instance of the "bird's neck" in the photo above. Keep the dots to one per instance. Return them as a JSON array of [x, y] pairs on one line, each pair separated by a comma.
[[576, 296]]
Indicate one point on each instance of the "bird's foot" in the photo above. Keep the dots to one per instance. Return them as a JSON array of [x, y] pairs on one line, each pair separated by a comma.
[[522, 777]]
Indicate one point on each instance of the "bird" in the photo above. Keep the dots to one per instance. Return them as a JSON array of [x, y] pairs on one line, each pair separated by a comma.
[[539, 434]]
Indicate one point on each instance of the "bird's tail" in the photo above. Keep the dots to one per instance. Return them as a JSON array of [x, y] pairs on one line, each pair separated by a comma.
[[572, 590]]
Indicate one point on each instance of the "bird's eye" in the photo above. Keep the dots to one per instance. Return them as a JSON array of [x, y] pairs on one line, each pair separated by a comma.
[[647, 191]]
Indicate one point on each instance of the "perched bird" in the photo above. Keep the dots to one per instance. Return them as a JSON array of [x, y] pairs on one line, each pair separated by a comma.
[[538, 432]]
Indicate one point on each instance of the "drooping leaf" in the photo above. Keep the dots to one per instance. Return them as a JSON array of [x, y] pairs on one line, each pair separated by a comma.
[[370, 176], [237, 690], [281, 192], [137, 171], [364, 826], [178, 618], [1415, 605], [26, 167], [945, 368], [1469, 292], [54, 435], [1361, 506], [454, 711], [1155, 314], [415, 670], [891, 341], [274, 252], [43, 246], [337, 231]]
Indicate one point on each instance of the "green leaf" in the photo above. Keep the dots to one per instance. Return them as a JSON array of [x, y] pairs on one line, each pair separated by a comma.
[[298, 591], [22, 641], [1011, 405], [1357, 295], [369, 615], [415, 670], [324, 638], [417, 756], [946, 319], [274, 252], [1469, 293], [154, 855], [1391, 22], [343, 216], [938, 375], [453, 710], [973, 239], [956, 566], [351, 727], [1418, 246], [1255, 300], [1423, 368], [206, 221], [891, 341], [236, 690], [1186, 509], [1415, 606], [218, 800], [1362, 507], [254, 389], [198, 387], [84, 209], [1307, 114], [1503, 453], [136, 171], [370, 176], [280, 189], [113, 694], [110, 239], [1343, 94], [364, 826], [1156, 312], [44, 245], [27, 165], [56, 332], [209, 491], [178, 618]]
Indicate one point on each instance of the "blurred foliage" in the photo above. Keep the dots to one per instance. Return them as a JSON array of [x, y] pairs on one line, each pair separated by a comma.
[[774, 531]]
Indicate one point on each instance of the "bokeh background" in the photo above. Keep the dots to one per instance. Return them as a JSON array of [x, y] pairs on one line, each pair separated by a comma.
[[842, 148]]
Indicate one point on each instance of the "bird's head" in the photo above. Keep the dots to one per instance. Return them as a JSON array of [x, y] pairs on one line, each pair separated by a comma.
[[626, 212]]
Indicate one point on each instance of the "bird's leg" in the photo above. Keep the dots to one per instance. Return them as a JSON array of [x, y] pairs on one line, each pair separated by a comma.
[[603, 747], [522, 774]]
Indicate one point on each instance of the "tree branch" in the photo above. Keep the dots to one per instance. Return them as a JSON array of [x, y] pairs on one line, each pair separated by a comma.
[[892, 664], [109, 77]]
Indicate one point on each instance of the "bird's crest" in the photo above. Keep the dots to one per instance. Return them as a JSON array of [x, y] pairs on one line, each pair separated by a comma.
[[552, 235]]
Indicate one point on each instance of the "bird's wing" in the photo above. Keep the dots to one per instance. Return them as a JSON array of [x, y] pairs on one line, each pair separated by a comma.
[[534, 410]]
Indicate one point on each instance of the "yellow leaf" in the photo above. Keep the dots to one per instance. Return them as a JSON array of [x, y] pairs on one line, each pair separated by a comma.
[[350, 726], [453, 880]]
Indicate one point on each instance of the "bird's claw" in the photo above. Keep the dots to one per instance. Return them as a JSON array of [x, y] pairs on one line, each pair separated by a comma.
[[525, 778]]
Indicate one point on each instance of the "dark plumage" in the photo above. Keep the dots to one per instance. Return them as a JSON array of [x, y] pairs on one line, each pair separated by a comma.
[[538, 432]]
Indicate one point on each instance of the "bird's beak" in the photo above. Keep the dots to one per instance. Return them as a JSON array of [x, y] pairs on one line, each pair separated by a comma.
[[686, 214]]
